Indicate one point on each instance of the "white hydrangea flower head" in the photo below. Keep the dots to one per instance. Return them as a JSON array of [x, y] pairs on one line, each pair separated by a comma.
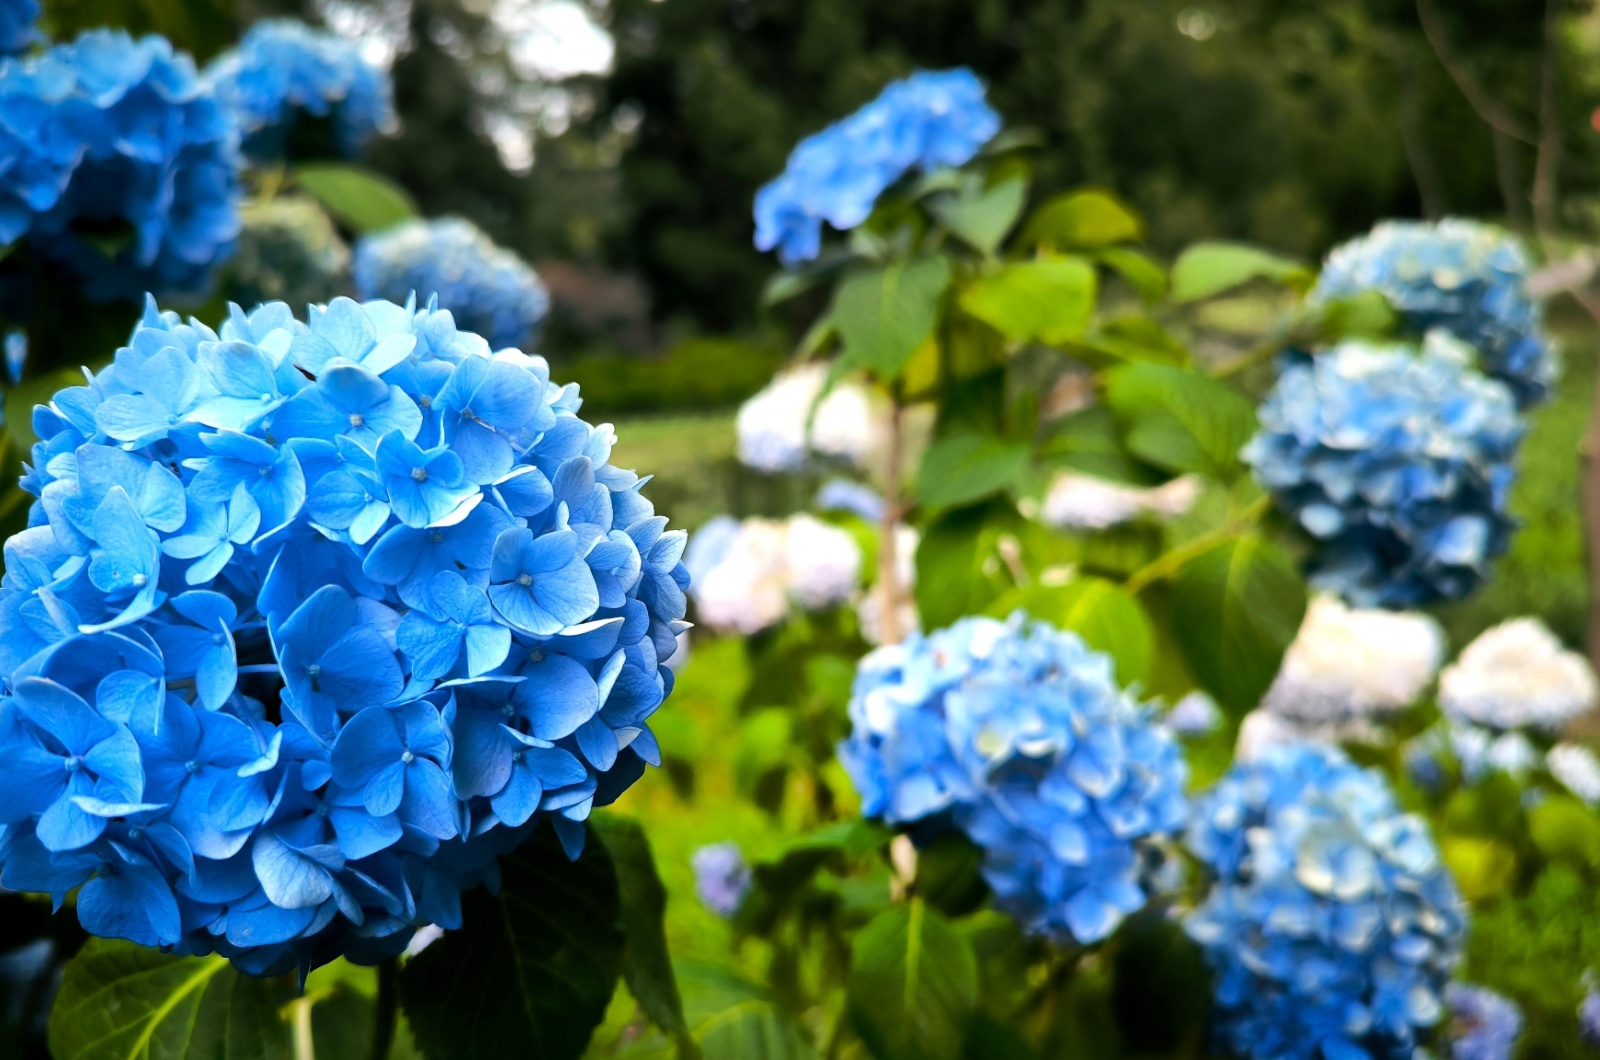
[[1077, 501], [1577, 769], [1352, 663], [772, 425], [1262, 730], [1517, 675], [824, 562], [747, 590]]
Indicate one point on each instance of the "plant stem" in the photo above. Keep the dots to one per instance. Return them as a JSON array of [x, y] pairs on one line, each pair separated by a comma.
[[386, 1010], [1169, 563], [304, 1045], [889, 588]]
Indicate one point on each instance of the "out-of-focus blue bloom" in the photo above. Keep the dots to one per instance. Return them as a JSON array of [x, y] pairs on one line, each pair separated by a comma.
[[929, 120], [1463, 276], [1196, 714], [1333, 923], [721, 877], [1589, 1016], [17, 31], [16, 354], [118, 163], [487, 288], [1398, 464], [284, 71], [842, 495], [1483, 1025], [277, 689], [1018, 731]]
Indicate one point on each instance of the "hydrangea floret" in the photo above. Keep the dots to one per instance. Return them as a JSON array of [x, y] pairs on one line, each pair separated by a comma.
[[1483, 1024], [930, 120], [1076, 501], [17, 30], [1397, 463], [1463, 276], [749, 575], [1017, 734], [489, 289], [1333, 924], [118, 164], [721, 877], [311, 623], [284, 72], [1517, 675]]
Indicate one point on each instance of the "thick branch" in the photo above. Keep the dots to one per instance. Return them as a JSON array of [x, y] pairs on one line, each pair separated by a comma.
[[1485, 105], [889, 588]]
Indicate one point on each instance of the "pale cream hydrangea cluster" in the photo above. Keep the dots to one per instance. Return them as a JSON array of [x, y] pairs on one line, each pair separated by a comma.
[[1076, 501], [1577, 769], [766, 567], [1517, 675], [778, 430]]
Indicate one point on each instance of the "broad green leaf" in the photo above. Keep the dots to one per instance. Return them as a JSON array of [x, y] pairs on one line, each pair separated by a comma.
[[1088, 441], [883, 314], [1138, 268], [968, 467], [1234, 611], [733, 1019], [802, 857], [1564, 829], [1086, 219], [535, 965], [984, 218], [361, 199], [959, 568], [1130, 339], [646, 966], [1205, 270], [121, 1001], [1179, 420], [1105, 615], [1051, 300], [913, 984], [949, 874]]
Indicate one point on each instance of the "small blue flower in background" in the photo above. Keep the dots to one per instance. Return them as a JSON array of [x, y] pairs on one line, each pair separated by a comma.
[[1589, 1013], [487, 289], [118, 163], [1483, 1025], [721, 877], [1333, 923], [1019, 735], [278, 688], [1397, 463], [1465, 277], [17, 30], [930, 120], [16, 351], [284, 71], [842, 495]]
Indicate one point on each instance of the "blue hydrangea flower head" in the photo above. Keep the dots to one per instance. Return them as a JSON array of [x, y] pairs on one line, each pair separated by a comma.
[[1483, 1024], [488, 288], [289, 251], [1463, 276], [17, 30], [1589, 1016], [721, 877], [284, 72], [1333, 923], [1017, 733], [296, 646], [1397, 463], [118, 164], [930, 120]]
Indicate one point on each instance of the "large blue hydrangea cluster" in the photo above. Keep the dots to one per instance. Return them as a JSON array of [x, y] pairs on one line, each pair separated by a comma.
[[117, 163], [312, 621], [1333, 923], [284, 71], [1018, 734], [17, 31], [1466, 277], [1397, 463], [490, 289], [929, 120]]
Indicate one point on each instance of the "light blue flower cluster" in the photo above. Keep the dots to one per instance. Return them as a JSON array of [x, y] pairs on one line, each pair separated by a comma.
[[118, 164], [929, 120], [1017, 733], [1483, 1024], [284, 71], [490, 289], [311, 623], [1333, 923], [1463, 276], [721, 877], [17, 31], [1397, 463]]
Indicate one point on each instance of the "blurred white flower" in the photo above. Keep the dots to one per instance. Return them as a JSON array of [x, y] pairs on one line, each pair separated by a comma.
[[1083, 502], [747, 575], [1261, 731], [772, 424], [824, 562], [1348, 664], [1577, 768], [1517, 675]]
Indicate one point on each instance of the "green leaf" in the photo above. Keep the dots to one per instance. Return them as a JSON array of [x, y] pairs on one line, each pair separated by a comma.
[[883, 314], [764, 750], [646, 966], [1179, 420], [1484, 869], [913, 984], [535, 965], [1205, 270], [982, 219], [363, 200], [1235, 610], [1367, 315], [1564, 829], [1086, 219], [121, 1001], [1088, 441], [1131, 339], [733, 1019], [949, 874], [1105, 615], [959, 568], [1138, 268], [968, 467], [1050, 300]]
